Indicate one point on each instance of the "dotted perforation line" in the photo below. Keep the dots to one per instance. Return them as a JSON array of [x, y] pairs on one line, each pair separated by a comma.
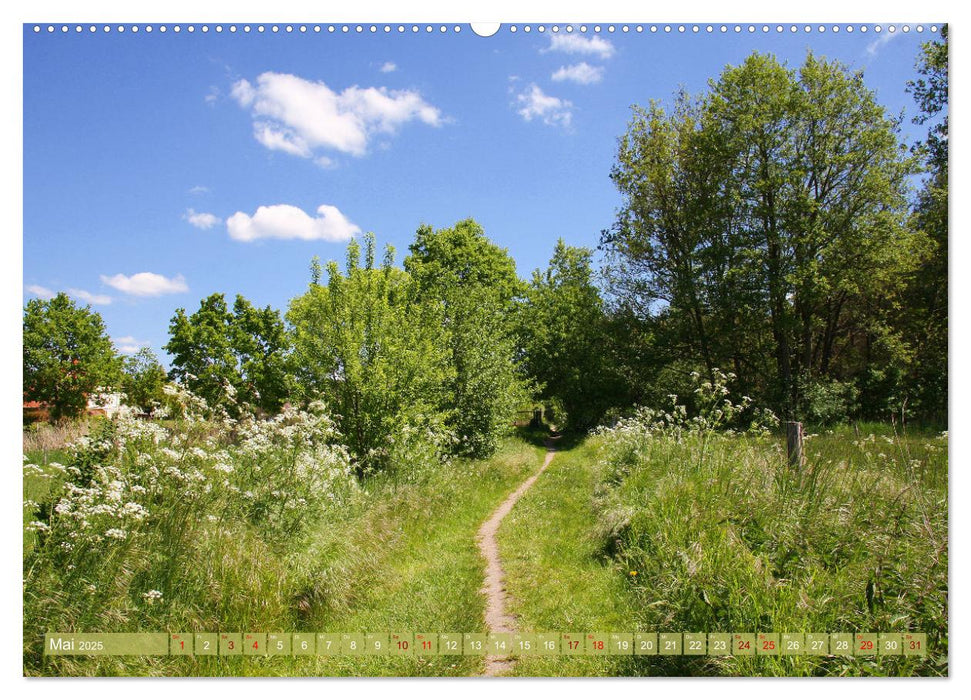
[[720, 28], [248, 28], [444, 29]]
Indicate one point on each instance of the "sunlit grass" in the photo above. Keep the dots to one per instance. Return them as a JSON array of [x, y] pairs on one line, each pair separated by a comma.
[[398, 556]]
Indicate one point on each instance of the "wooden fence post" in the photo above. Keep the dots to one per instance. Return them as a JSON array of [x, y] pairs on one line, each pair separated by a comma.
[[794, 444]]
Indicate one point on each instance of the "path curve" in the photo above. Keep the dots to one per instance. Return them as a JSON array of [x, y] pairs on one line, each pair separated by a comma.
[[497, 615]]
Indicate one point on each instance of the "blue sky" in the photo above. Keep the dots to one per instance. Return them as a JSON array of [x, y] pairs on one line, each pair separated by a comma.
[[160, 168]]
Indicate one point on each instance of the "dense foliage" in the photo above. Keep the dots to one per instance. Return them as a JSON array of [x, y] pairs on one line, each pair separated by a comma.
[[143, 380], [68, 355], [231, 358], [923, 313], [563, 327], [765, 228], [375, 353], [475, 284]]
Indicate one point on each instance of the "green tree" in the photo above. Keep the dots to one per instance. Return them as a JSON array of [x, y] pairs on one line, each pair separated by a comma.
[[563, 332], [67, 355], [462, 256], [367, 345], [231, 357], [925, 301], [261, 346], [475, 283], [766, 222], [143, 380]]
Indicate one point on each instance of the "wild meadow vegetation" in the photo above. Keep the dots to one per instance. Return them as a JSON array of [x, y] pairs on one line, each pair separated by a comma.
[[668, 522], [202, 524], [325, 468]]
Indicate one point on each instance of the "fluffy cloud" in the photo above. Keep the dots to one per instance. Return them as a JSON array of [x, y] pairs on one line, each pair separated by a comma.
[[199, 189], [287, 222], [582, 73], [146, 284], [89, 298], [127, 345], [576, 44], [536, 104], [40, 292], [389, 67], [202, 219], [301, 117]]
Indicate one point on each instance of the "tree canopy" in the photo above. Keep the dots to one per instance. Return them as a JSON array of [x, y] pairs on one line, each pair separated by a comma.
[[365, 344], [765, 226], [231, 357], [474, 282], [143, 380], [67, 355], [563, 328]]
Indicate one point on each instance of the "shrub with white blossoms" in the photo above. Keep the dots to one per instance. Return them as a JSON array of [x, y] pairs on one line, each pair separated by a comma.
[[628, 440], [286, 468], [141, 479]]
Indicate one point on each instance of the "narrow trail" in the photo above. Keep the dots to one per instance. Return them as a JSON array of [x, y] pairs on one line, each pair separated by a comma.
[[497, 616]]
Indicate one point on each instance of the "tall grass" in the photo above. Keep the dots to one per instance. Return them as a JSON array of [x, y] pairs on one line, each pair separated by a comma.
[[253, 525], [183, 527], [41, 439], [725, 536]]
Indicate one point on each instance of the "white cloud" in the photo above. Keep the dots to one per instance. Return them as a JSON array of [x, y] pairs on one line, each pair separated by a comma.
[[574, 43], [40, 292], [146, 284], [199, 189], [286, 221], [874, 46], [88, 297], [243, 93], [388, 67], [202, 219], [535, 104], [582, 73], [127, 345], [301, 117]]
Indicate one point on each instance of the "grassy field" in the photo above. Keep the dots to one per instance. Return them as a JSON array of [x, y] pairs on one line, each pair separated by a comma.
[[725, 536], [647, 526], [638, 530], [399, 555]]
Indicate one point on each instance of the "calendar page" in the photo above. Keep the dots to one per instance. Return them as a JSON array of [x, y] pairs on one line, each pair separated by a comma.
[[543, 349]]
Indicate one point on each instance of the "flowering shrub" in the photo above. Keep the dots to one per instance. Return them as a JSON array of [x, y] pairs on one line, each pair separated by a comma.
[[147, 506], [629, 440]]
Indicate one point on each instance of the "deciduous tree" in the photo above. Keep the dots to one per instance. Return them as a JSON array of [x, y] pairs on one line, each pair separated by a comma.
[[67, 355], [767, 221], [143, 380], [475, 283]]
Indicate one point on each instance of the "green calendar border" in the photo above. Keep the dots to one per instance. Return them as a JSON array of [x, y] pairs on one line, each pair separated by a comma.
[[518, 644]]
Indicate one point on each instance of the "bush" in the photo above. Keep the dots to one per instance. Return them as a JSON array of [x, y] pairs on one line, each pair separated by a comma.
[[182, 523], [827, 402]]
